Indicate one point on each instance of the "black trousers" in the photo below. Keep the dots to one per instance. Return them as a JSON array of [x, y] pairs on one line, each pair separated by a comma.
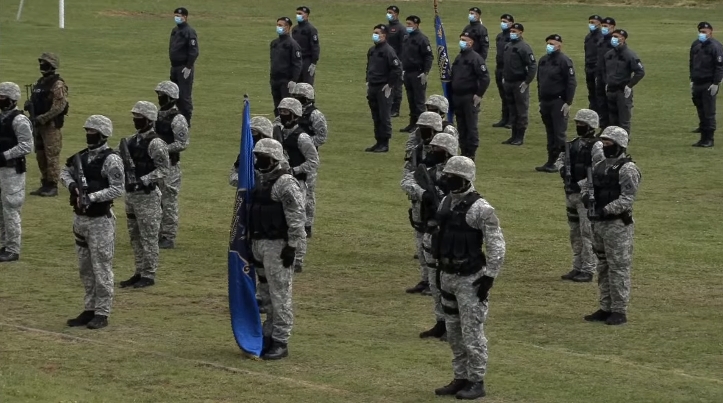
[[555, 123], [591, 94], [501, 89], [620, 109], [518, 103], [602, 103], [397, 96], [416, 95], [705, 105], [305, 76], [467, 118], [185, 89], [381, 108], [279, 91]]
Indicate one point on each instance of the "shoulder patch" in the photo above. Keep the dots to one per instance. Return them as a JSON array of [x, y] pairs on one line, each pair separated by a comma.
[[396, 62], [315, 38], [720, 59], [116, 174], [429, 49], [640, 64], [193, 42], [484, 68], [487, 39], [532, 57], [298, 54], [572, 71]]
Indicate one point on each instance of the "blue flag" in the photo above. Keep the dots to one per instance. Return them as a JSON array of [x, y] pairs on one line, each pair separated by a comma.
[[245, 318], [445, 67]]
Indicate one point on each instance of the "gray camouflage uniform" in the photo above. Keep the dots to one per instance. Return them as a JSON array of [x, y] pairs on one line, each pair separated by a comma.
[[442, 104], [171, 185]]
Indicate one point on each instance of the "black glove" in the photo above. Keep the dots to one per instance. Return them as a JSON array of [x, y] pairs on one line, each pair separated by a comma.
[[428, 198], [131, 188], [3, 160], [485, 284], [287, 256], [28, 105], [72, 188], [586, 200]]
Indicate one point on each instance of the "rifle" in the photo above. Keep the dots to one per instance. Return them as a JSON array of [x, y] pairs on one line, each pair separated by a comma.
[[128, 166], [81, 182], [421, 176], [568, 172], [29, 107], [277, 134], [592, 212]]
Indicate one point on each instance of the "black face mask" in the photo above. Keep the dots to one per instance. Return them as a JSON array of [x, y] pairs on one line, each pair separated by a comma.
[[288, 121], [435, 157], [46, 68], [94, 140], [454, 184], [426, 134], [303, 101], [7, 104], [140, 124], [585, 131], [264, 163], [166, 102], [255, 138], [612, 151]]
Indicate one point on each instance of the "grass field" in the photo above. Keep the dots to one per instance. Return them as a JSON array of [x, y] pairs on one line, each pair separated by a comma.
[[355, 338]]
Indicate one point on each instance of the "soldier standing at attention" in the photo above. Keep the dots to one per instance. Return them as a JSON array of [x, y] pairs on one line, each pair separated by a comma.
[[466, 222], [706, 74], [417, 60], [616, 180], [478, 33], [384, 71], [94, 223], [606, 30], [172, 128], [395, 38], [285, 62], [519, 71], [16, 141], [148, 154], [183, 52], [502, 39], [622, 70], [307, 37], [556, 86], [592, 39], [49, 105]]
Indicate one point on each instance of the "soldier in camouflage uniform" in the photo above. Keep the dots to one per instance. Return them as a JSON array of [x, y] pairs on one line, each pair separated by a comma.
[[172, 128], [276, 230], [439, 104], [466, 222], [302, 154], [580, 160], [443, 147], [94, 223], [418, 152], [149, 157], [313, 122], [16, 141], [49, 105], [616, 180]]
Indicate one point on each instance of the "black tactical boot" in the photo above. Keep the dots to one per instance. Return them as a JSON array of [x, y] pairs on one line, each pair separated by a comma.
[[9, 256], [700, 141], [395, 114], [452, 388], [130, 281], [298, 268], [98, 322], [418, 288], [266, 345], [51, 190], [83, 319], [707, 140], [427, 292], [551, 160], [696, 130], [598, 316], [373, 148], [512, 138], [501, 123], [544, 167], [581, 277], [308, 232], [166, 243], [41, 189], [276, 352], [572, 273], [144, 282], [408, 128], [382, 147], [616, 318], [437, 330], [519, 138], [473, 390]]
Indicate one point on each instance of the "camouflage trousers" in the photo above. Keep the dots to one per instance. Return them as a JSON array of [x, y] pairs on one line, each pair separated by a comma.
[[48, 144], [613, 245], [274, 288], [419, 244], [169, 202], [144, 220], [95, 246], [12, 193], [465, 316], [301, 249], [434, 276], [310, 198], [583, 258]]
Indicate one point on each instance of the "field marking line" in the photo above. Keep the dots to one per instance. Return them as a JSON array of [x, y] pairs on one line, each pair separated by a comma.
[[307, 384]]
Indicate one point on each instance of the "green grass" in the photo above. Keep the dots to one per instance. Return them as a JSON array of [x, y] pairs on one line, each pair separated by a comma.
[[355, 338]]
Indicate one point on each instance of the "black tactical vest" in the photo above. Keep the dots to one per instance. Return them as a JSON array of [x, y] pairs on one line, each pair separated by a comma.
[[580, 160], [138, 148], [458, 246], [267, 218], [8, 139], [42, 98], [606, 182], [428, 213], [305, 121], [296, 157], [165, 132], [96, 181]]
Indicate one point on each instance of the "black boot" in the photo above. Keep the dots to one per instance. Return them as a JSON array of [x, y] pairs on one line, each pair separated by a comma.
[[582, 277], [473, 390], [298, 268], [616, 318], [98, 322], [9, 256], [166, 243], [408, 128], [51, 190], [382, 147], [437, 330], [130, 281], [544, 167], [501, 123], [277, 351], [551, 160], [83, 319], [452, 388], [373, 148], [707, 139], [696, 130], [41, 189], [598, 316], [308, 231], [266, 344], [418, 288], [572, 273], [512, 138], [144, 282], [700, 141]]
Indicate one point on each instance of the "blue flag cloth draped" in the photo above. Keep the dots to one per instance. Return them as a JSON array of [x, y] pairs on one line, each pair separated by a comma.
[[245, 318], [445, 67]]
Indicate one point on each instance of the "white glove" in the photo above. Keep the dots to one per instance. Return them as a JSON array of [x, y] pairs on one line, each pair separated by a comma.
[[713, 89], [367, 84], [627, 91], [312, 69], [186, 72], [691, 85], [606, 88], [565, 110], [387, 90], [402, 75], [234, 179], [476, 99], [503, 81], [291, 86], [523, 87], [423, 78]]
